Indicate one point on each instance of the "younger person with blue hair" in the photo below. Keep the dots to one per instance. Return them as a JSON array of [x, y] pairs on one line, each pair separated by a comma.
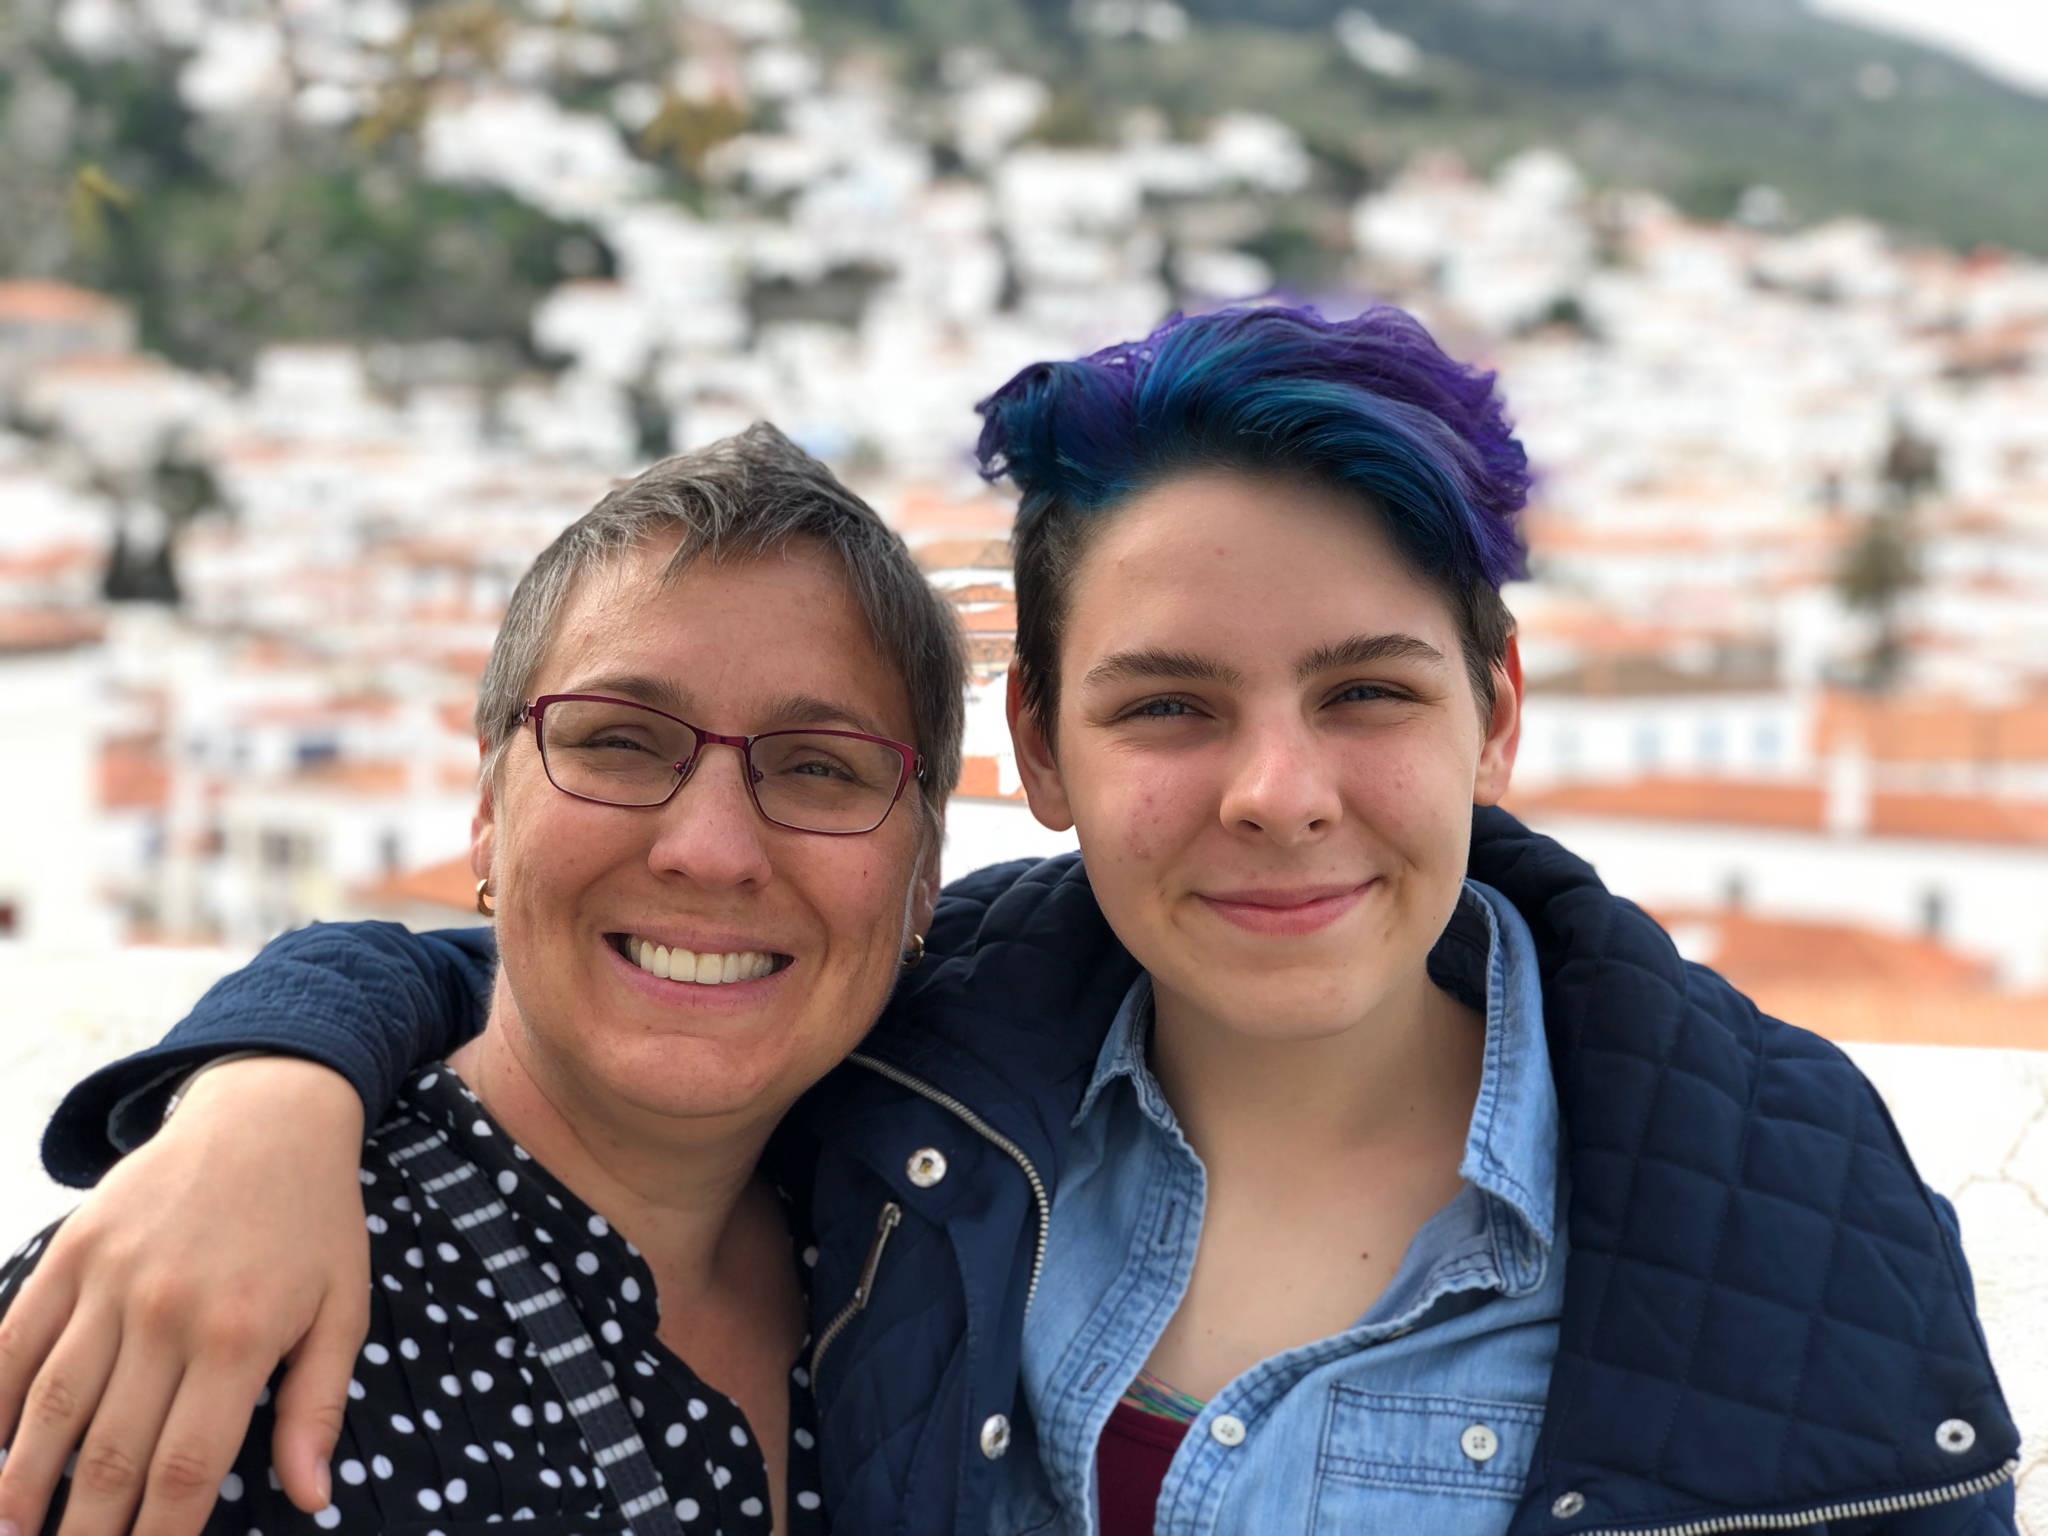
[[1320, 1150]]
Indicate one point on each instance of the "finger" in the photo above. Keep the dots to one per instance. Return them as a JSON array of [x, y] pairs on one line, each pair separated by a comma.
[[312, 1398], [113, 1459], [33, 1323], [54, 1415], [202, 1436]]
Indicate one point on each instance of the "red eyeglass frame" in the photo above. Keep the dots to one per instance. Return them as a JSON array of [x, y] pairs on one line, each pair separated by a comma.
[[531, 712]]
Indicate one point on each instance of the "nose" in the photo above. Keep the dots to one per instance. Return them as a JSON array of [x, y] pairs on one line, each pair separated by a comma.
[[710, 830], [1282, 784]]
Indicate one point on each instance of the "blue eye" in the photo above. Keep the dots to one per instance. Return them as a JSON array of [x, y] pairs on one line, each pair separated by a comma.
[[1162, 709], [1362, 693]]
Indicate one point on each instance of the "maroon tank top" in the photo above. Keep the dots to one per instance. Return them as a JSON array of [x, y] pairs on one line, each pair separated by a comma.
[[1130, 1466]]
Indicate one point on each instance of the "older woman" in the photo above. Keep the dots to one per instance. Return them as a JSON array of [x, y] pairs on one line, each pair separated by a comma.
[[1329, 1154], [714, 725]]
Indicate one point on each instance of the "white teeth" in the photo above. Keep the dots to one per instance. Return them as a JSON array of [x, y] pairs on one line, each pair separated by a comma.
[[707, 970]]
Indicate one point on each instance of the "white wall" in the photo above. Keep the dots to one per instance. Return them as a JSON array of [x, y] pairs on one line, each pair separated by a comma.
[[50, 840]]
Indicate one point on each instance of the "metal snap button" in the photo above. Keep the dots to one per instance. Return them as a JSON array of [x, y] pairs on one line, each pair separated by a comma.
[[1955, 1436], [926, 1167], [1479, 1442], [1565, 1505], [995, 1434], [1227, 1429]]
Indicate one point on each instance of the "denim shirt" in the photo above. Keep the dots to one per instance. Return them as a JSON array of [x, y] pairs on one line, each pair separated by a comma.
[[1420, 1418]]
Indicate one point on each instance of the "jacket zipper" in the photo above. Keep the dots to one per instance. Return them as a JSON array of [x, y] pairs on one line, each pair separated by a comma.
[[892, 1213], [989, 1133], [1857, 1509]]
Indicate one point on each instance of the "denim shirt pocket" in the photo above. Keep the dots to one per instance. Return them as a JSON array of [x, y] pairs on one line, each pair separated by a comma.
[[1422, 1464]]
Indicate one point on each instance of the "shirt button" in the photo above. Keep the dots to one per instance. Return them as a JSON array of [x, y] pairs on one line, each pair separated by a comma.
[[995, 1433], [1227, 1429], [1479, 1442], [926, 1167]]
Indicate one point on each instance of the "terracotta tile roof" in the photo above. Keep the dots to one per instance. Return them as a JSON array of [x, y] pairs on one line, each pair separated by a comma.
[[24, 630], [999, 620], [981, 592], [132, 775], [1908, 1016], [1791, 807], [1752, 951], [1933, 729], [963, 555], [28, 299], [923, 510], [437, 885], [981, 779]]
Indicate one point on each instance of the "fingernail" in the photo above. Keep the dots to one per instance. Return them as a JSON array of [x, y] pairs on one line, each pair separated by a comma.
[[9, 1528], [326, 1487]]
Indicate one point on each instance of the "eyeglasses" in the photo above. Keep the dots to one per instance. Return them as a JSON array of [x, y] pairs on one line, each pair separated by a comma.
[[616, 752]]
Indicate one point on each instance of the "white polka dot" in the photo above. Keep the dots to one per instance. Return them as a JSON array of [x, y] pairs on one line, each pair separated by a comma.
[[231, 1488], [451, 1387], [447, 1252], [551, 1272], [552, 1412], [739, 1436], [391, 1282], [409, 1348], [353, 1472], [480, 1127], [587, 1262], [376, 1354], [486, 1287], [328, 1518], [576, 1476], [355, 1390], [540, 1234], [437, 1312], [521, 1153], [415, 1258], [430, 1418], [276, 1482], [366, 1176], [808, 1500], [720, 1477], [630, 1288], [800, 1376], [643, 1367], [697, 1408], [803, 1438], [811, 1258], [612, 1332], [599, 1226], [522, 1416], [502, 1449], [507, 1181], [551, 1477], [376, 1224], [481, 1380], [428, 1081], [466, 1313], [750, 1507], [687, 1509], [430, 1500], [401, 1202], [676, 1435], [401, 1423], [456, 1491], [381, 1465], [506, 1347]]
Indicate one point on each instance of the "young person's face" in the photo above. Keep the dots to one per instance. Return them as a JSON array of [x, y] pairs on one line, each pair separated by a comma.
[[1269, 746], [737, 647]]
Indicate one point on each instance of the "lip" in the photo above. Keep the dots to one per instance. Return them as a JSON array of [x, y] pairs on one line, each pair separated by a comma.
[[726, 997], [1286, 911]]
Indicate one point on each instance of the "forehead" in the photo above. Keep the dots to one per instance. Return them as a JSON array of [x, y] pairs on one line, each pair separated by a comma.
[[726, 629], [1221, 545]]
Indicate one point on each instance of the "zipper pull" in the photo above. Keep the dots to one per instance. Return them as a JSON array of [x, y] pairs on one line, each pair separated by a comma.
[[885, 1223]]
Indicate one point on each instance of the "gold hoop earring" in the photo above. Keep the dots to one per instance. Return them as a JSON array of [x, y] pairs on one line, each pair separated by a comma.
[[482, 890], [913, 957]]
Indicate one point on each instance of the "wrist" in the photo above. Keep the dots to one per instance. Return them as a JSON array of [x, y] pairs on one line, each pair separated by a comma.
[[258, 1085]]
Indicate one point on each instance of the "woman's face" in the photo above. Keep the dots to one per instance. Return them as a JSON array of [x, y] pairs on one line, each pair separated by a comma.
[[737, 647], [1270, 748]]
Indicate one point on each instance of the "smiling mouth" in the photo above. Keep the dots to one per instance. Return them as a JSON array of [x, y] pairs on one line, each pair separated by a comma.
[[705, 969]]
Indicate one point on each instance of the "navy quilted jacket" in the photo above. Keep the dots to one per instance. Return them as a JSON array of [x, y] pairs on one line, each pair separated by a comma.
[[1768, 1323]]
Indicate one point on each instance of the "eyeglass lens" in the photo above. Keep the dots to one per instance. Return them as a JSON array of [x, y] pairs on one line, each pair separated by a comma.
[[813, 781]]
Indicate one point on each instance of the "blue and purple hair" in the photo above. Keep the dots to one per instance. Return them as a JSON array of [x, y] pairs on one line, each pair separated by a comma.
[[1371, 403]]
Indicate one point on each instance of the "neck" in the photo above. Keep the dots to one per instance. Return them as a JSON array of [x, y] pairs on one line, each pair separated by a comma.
[[670, 1187], [1409, 1068]]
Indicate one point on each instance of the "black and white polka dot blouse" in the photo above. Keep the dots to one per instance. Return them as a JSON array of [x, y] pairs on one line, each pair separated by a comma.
[[452, 1422]]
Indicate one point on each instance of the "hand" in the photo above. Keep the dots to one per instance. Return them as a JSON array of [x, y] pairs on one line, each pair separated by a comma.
[[234, 1239]]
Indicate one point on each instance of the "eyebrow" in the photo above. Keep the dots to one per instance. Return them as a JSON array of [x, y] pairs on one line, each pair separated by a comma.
[[790, 711], [1123, 666], [1364, 650]]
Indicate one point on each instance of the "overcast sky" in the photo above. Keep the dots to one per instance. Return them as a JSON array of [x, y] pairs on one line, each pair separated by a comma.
[[2008, 38]]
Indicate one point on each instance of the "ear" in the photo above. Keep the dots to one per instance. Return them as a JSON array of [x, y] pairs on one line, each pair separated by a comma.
[[1036, 766], [1504, 730], [483, 832], [924, 886]]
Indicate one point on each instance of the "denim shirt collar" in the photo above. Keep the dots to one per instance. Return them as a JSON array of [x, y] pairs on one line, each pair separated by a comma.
[[1487, 959]]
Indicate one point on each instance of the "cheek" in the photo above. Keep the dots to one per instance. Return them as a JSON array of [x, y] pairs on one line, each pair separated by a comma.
[[1140, 813]]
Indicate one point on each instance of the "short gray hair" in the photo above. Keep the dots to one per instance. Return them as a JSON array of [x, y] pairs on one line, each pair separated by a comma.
[[745, 495]]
